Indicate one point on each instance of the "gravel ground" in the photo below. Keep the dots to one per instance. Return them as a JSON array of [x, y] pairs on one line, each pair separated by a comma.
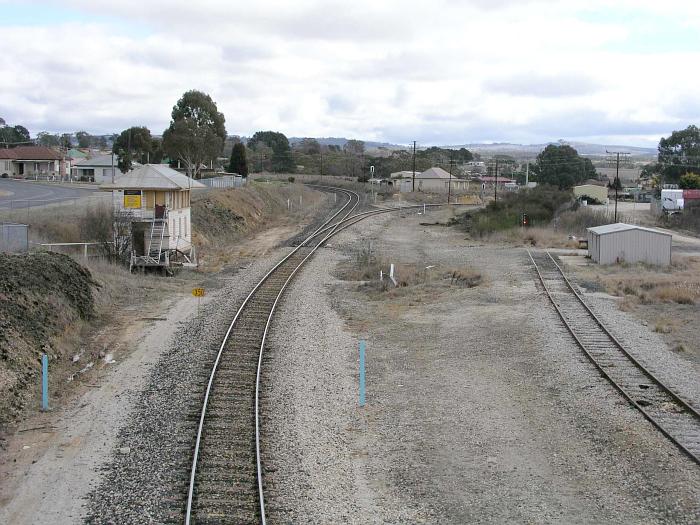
[[145, 482], [481, 408]]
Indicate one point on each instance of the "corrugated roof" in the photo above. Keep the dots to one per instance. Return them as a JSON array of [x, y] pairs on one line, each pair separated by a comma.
[[153, 177], [30, 153], [100, 160], [405, 173], [621, 227]]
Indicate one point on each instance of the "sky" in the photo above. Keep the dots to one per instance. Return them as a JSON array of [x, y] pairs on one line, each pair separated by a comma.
[[443, 72]]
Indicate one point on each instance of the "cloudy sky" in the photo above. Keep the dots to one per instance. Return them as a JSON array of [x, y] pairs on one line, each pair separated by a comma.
[[439, 72]]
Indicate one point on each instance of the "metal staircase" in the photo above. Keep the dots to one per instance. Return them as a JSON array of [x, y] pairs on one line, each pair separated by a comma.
[[155, 243]]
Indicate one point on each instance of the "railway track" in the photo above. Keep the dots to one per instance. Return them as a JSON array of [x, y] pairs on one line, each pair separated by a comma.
[[226, 483], [667, 411], [226, 478]]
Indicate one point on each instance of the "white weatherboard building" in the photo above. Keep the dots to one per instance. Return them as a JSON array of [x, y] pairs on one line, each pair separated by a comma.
[[98, 169], [619, 242], [432, 180], [156, 200]]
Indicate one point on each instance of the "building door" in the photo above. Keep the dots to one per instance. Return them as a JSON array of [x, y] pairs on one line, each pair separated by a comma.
[[21, 168]]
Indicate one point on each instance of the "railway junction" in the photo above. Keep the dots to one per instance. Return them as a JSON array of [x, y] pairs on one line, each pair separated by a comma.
[[498, 391]]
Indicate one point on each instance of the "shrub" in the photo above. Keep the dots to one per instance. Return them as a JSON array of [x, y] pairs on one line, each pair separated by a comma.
[[540, 204]]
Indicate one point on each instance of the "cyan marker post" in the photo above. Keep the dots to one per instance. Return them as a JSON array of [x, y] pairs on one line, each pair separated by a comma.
[[362, 373], [44, 382]]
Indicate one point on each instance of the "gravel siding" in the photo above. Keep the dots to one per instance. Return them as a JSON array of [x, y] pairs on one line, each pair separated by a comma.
[[481, 408]]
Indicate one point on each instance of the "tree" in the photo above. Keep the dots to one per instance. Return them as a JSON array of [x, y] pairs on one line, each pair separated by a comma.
[[13, 135], [282, 160], [309, 147], [238, 163], [83, 138], [45, 138], [679, 153], [22, 134], [561, 166], [133, 144], [66, 140], [355, 147], [196, 133], [690, 181]]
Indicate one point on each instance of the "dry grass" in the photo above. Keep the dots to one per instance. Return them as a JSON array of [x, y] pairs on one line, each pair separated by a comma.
[[645, 284], [414, 281], [540, 237], [223, 219]]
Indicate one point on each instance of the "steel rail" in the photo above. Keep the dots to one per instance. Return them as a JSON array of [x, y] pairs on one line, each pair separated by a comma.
[[328, 230], [648, 374], [193, 471], [258, 373]]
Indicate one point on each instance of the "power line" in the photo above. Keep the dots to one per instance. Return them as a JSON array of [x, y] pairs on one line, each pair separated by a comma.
[[617, 173]]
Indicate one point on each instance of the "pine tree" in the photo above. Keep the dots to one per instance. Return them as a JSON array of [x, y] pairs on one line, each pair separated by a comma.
[[238, 163]]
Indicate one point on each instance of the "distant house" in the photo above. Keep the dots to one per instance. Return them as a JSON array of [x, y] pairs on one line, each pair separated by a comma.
[[433, 180], [490, 181], [31, 162], [592, 191], [403, 174], [97, 169]]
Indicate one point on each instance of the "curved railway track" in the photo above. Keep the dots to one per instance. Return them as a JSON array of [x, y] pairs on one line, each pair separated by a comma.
[[226, 483], [226, 478], [667, 411]]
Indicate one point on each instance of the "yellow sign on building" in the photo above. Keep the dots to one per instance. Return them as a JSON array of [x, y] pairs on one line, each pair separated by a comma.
[[132, 198]]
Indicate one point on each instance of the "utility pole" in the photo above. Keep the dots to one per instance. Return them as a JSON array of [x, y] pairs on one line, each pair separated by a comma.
[[495, 186], [527, 173], [449, 184], [414, 166], [617, 174]]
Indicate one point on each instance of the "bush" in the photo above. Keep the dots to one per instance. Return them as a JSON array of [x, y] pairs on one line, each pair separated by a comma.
[[291, 179], [540, 204]]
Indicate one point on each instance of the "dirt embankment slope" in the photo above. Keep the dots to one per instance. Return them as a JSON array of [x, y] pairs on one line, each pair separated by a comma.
[[224, 220], [41, 296]]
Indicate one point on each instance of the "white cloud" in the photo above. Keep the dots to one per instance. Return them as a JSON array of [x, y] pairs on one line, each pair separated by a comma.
[[438, 72]]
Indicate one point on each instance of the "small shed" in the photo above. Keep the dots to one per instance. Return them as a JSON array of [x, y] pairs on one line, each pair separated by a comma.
[[598, 192], [619, 242]]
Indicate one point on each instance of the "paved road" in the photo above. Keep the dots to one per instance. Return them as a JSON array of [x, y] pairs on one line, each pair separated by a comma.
[[40, 194]]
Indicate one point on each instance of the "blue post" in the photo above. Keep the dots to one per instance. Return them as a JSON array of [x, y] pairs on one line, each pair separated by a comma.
[[44, 382], [362, 373]]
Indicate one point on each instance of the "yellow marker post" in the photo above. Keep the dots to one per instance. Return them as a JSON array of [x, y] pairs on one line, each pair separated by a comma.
[[198, 293]]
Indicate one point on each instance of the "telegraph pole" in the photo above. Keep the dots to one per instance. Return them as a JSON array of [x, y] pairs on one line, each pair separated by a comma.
[[617, 173], [449, 184], [414, 166], [495, 186]]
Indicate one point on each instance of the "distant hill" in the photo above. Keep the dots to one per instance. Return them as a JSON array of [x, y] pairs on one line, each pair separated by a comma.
[[341, 141], [502, 148], [533, 150]]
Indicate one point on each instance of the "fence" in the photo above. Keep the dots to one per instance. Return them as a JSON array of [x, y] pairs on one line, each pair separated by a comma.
[[14, 238], [225, 181]]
